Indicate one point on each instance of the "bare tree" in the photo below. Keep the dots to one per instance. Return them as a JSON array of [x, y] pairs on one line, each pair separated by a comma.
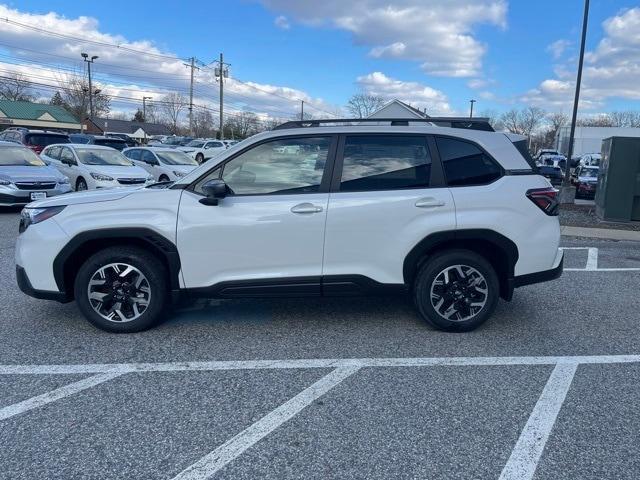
[[494, 119], [603, 120], [75, 95], [531, 119], [243, 124], [511, 121], [625, 119], [361, 105], [15, 87], [172, 106], [203, 123]]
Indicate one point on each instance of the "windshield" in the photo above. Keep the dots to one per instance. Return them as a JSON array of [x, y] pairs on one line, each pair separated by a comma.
[[99, 156], [195, 144], [19, 156], [175, 158], [589, 172]]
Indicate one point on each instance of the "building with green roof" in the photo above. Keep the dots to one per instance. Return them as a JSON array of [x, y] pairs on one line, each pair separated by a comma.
[[36, 115]]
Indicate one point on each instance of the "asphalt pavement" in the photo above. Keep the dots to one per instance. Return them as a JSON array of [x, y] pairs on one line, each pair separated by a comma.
[[330, 388]]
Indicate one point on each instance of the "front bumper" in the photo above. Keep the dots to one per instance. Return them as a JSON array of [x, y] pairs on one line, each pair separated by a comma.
[[25, 286], [11, 197]]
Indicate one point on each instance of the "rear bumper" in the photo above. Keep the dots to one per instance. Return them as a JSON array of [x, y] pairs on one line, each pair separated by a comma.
[[25, 286], [543, 276]]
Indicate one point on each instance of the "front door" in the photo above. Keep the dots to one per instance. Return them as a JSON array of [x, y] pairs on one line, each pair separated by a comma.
[[268, 233]]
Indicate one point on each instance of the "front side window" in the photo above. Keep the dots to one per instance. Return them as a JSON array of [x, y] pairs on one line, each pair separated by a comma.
[[286, 166], [66, 155], [133, 154], [465, 164], [148, 157], [385, 162], [53, 152], [214, 145], [175, 158]]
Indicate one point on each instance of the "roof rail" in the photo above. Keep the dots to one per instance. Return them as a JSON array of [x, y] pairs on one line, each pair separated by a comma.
[[476, 123]]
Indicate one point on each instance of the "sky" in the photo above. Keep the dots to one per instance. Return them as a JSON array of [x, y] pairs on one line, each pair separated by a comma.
[[432, 54]]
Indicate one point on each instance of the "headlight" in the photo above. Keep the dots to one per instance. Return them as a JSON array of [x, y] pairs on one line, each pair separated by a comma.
[[30, 216], [178, 174], [63, 181], [5, 183], [101, 178]]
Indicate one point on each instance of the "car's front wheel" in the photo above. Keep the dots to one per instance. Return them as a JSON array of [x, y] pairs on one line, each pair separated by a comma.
[[163, 178], [81, 185], [122, 289], [456, 290], [200, 158]]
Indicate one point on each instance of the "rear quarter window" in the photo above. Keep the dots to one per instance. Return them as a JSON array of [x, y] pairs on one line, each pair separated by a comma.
[[465, 163]]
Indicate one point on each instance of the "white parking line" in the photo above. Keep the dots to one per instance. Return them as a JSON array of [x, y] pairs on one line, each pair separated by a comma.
[[526, 454], [592, 262], [53, 395], [122, 368], [211, 463]]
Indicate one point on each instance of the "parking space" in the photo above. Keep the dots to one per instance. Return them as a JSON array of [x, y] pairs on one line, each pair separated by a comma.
[[333, 388]]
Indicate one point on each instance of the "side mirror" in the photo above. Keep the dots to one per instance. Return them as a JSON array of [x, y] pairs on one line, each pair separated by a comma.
[[215, 190]]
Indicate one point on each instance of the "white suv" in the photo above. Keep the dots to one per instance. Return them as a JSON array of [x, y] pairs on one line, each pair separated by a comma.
[[455, 217], [203, 150]]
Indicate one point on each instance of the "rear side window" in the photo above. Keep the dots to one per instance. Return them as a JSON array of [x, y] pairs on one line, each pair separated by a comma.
[[385, 162], [465, 164], [44, 139]]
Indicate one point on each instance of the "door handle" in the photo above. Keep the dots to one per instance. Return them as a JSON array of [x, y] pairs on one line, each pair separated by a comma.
[[306, 208], [429, 202]]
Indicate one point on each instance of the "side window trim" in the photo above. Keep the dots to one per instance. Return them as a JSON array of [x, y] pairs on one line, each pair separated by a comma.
[[326, 174], [479, 147], [336, 178]]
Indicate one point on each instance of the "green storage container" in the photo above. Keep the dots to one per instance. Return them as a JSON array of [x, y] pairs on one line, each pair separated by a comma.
[[618, 192]]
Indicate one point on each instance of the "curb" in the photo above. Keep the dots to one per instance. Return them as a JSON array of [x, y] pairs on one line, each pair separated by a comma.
[[626, 235]]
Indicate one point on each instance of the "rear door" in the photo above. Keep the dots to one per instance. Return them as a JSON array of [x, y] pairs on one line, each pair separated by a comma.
[[387, 195]]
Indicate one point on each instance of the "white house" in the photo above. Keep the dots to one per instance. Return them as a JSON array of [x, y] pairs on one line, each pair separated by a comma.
[[398, 109]]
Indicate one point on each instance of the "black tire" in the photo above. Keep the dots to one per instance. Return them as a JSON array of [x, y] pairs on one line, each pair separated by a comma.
[[81, 185], [163, 178], [156, 279], [434, 267], [200, 158]]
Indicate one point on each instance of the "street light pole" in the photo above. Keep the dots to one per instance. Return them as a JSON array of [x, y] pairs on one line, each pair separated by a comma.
[[144, 108], [471, 113], [567, 195], [89, 62]]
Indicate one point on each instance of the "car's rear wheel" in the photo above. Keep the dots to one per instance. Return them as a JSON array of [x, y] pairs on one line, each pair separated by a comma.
[[81, 185], [121, 289], [456, 290], [200, 158]]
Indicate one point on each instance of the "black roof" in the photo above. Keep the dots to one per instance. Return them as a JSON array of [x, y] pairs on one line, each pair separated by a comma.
[[475, 123]]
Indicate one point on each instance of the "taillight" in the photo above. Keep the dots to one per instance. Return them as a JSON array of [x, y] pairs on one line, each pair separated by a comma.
[[546, 199], [36, 148]]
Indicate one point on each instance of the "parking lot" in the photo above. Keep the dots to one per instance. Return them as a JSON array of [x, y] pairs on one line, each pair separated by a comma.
[[330, 388]]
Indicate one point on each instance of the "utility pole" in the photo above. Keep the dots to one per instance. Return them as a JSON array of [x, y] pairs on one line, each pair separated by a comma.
[[221, 72], [302, 111], [144, 108], [567, 194], [192, 66], [85, 56], [471, 102]]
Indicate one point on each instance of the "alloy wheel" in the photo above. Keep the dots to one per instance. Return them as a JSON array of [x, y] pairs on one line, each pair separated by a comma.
[[459, 293], [119, 292]]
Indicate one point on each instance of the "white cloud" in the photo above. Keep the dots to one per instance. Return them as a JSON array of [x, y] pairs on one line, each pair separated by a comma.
[[282, 22], [437, 34], [611, 71], [413, 93], [118, 71], [558, 48]]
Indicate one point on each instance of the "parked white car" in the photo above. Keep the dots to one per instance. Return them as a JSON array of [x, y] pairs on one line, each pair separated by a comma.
[[454, 218], [165, 164], [92, 166], [203, 150]]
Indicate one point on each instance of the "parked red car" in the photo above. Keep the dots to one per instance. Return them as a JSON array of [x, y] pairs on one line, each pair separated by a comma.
[[36, 140]]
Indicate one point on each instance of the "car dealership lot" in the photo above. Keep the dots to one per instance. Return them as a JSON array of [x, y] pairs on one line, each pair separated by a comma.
[[330, 388]]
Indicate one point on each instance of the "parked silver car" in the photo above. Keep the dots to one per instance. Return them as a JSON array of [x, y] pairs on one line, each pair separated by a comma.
[[24, 177]]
